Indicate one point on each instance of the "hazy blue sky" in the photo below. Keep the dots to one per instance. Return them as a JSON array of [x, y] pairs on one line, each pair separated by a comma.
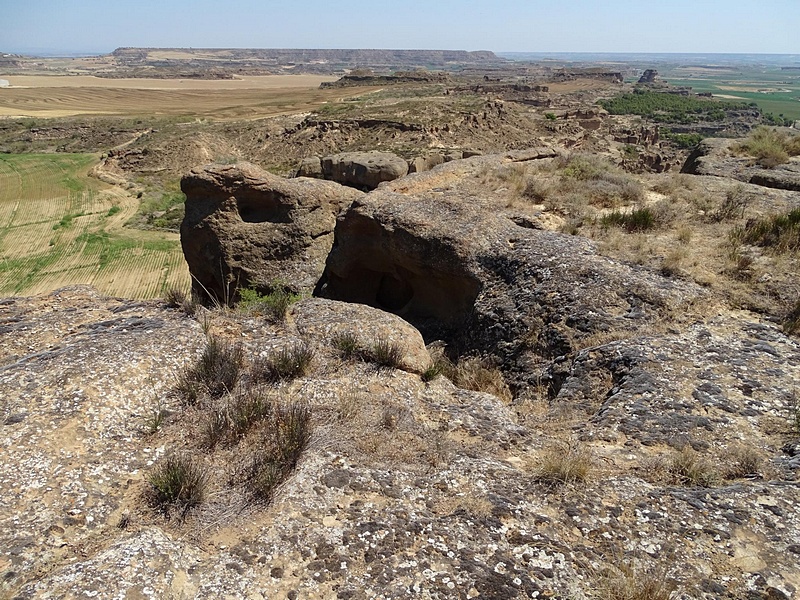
[[769, 26]]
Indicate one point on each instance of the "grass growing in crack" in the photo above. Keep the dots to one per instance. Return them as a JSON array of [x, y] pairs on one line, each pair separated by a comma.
[[242, 411], [559, 465], [177, 482], [384, 353], [279, 451], [432, 372], [215, 372], [286, 363], [156, 419]]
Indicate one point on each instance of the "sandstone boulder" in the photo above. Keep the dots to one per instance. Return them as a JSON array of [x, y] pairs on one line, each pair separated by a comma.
[[425, 163], [462, 272], [310, 167], [246, 227], [363, 170], [321, 320]]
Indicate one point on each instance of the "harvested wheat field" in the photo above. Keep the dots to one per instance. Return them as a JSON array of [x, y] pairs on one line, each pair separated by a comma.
[[59, 227], [245, 98]]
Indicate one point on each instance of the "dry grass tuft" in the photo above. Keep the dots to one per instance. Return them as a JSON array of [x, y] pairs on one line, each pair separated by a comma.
[[689, 468], [559, 465], [624, 582]]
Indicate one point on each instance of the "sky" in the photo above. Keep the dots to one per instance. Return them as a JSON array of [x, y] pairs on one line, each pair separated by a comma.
[[100, 26]]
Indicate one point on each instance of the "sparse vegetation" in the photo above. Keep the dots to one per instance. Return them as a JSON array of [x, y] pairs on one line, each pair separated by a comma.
[[273, 305], [559, 465], [178, 482], [689, 468], [770, 147], [779, 233], [216, 372], [289, 362], [640, 219]]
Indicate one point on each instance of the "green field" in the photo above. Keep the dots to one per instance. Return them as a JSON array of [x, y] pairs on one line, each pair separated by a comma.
[[775, 91], [58, 226]]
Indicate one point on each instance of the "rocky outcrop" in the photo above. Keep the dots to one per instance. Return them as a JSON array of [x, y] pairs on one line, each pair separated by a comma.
[[716, 156], [461, 272], [648, 77], [363, 170], [245, 227]]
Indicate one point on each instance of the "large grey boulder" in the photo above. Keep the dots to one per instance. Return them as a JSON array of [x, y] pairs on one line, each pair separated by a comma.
[[246, 227], [363, 170], [465, 273]]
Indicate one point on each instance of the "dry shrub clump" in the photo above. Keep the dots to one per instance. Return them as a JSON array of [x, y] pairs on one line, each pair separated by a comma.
[[689, 468], [277, 451], [625, 582], [778, 233], [216, 372], [770, 147], [284, 364], [601, 183], [559, 465], [177, 483], [791, 322], [475, 374]]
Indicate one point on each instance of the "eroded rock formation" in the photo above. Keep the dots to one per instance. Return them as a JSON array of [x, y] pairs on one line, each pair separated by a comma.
[[245, 227]]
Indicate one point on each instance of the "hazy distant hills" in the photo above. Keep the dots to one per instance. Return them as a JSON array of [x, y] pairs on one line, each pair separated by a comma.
[[301, 59]]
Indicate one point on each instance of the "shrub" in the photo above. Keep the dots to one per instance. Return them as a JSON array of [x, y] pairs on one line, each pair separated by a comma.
[[780, 233], [215, 372], [347, 344], [290, 362], [178, 481], [640, 219], [384, 353], [689, 468], [279, 451], [273, 305], [550, 116], [559, 466], [734, 205], [770, 147], [791, 323]]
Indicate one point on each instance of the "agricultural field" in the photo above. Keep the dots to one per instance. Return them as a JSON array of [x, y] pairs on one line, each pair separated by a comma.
[[58, 226], [243, 98], [775, 90]]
